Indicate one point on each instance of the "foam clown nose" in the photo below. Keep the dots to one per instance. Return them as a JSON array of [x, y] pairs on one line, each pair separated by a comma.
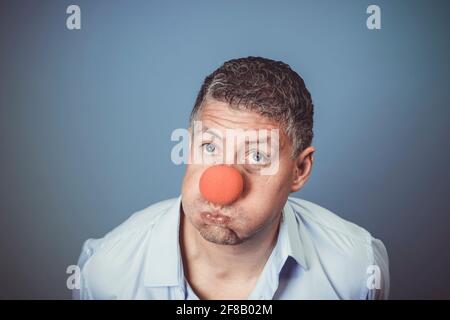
[[221, 184]]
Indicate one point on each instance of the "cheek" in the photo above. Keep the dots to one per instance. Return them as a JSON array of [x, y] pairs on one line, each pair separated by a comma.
[[188, 181], [190, 188], [265, 194], [267, 188], [191, 174]]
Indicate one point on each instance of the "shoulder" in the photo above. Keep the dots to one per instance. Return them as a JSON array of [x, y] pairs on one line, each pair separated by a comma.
[[139, 222], [320, 217], [103, 260], [349, 253]]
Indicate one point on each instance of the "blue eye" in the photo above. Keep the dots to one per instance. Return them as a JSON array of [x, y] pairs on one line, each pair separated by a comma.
[[210, 147], [258, 158]]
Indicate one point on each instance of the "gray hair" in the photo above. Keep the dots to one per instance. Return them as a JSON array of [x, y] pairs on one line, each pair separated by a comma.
[[267, 87]]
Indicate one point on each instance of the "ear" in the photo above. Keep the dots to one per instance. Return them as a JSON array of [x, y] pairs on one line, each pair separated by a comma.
[[302, 168]]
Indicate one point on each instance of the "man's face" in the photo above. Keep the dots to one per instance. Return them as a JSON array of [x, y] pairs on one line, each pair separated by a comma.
[[261, 202]]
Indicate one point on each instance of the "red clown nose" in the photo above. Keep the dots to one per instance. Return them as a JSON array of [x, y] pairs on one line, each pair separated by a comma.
[[221, 184]]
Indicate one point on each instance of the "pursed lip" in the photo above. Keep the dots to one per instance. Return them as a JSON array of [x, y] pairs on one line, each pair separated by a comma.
[[215, 218]]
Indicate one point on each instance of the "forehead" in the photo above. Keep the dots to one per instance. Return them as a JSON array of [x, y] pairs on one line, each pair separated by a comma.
[[219, 115]]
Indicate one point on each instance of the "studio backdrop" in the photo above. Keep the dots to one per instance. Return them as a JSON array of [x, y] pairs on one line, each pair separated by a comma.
[[87, 110]]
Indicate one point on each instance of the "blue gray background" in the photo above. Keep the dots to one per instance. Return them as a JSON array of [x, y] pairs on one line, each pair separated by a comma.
[[86, 118]]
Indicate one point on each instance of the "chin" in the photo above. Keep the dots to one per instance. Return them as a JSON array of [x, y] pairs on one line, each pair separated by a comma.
[[219, 235]]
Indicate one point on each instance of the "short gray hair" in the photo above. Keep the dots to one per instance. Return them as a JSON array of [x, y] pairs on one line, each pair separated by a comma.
[[267, 87]]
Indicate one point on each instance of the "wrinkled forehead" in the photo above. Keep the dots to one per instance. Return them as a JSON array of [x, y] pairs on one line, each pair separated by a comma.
[[222, 114]]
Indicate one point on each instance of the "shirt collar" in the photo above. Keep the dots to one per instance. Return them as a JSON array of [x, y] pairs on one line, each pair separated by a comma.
[[164, 266], [295, 234]]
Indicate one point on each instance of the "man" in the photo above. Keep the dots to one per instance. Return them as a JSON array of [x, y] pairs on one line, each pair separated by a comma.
[[234, 233]]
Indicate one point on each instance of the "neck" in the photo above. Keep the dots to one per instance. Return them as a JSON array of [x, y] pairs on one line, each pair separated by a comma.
[[245, 260]]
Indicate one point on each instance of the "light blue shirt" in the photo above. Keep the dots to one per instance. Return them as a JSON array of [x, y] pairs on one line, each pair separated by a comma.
[[317, 256]]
